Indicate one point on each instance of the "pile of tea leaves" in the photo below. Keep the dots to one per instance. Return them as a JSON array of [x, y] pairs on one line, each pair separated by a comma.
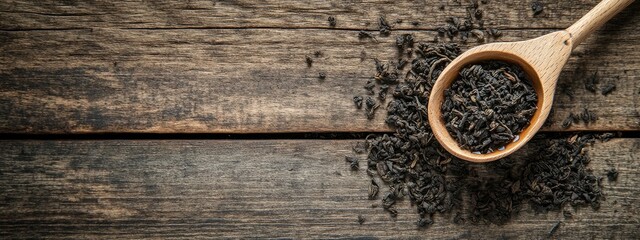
[[410, 164], [488, 105], [414, 166]]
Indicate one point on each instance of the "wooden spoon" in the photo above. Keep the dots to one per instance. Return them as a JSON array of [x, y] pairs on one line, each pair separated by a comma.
[[541, 58]]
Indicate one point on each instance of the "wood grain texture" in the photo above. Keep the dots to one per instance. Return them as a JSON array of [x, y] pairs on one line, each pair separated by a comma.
[[594, 19], [253, 189], [69, 14], [120, 75]]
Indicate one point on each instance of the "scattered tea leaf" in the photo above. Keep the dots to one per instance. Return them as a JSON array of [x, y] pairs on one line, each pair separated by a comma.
[[353, 163], [363, 34], [322, 75], [358, 101], [554, 228], [373, 189], [608, 88], [308, 60], [612, 175], [590, 83], [384, 27], [537, 7], [332, 21]]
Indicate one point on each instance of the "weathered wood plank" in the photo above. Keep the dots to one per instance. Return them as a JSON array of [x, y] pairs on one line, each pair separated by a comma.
[[105, 79], [240, 81], [50, 14], [261, 188]]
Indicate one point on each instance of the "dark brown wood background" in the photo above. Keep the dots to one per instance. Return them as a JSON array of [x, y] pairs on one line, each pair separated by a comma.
[[114, 71]]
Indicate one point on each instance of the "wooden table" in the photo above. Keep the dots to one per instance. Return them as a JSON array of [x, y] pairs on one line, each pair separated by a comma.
[[189, 119]]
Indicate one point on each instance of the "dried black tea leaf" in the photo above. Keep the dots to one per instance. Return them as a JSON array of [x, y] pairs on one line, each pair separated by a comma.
[[382, 93], [322, 75], [359, 148], [495, 33], [565, 89], [404, 41], [588, 116], [608, 88], [554, 228], [308, 60], [373, 189], [537, 7], [478, 13], [478, 34], [605, 137], [385, 74], [400, 42], [612, 175], [388, 202], [488, 105], [370, 107], [424, 222], [363, 34], [369, 86], [568, 121], [401, 64], [464, 36], [332, 21], [590, 83], [358, 101], [354, 163], [383, 27]]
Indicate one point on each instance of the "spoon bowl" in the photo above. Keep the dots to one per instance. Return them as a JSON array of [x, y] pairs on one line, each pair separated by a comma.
[[541, 58], [541, 73]]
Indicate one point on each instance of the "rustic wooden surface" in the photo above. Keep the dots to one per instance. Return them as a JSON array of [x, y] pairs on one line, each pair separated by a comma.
[[199, 66], [238, 67], [253, 189], [238, 14]]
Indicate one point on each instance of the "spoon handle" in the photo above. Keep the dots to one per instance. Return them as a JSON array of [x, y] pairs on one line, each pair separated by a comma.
[[595, 18]]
